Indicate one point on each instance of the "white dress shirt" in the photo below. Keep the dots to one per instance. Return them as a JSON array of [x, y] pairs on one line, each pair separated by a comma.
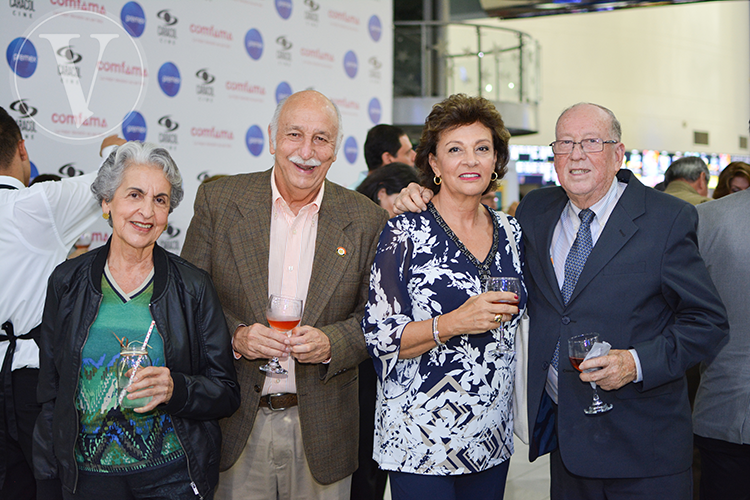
[[39, 225]]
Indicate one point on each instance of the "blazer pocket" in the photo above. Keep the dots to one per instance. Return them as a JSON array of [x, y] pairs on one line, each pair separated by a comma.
[[630, 391], [625, 268]]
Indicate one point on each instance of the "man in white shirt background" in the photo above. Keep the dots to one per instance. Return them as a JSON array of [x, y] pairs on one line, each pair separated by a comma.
[[39, 226]]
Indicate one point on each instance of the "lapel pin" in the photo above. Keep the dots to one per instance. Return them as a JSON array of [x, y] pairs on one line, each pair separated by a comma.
[[341, 251]]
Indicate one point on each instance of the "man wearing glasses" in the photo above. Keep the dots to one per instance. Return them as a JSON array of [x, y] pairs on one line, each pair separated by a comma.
[[606, 254], [642, 285]]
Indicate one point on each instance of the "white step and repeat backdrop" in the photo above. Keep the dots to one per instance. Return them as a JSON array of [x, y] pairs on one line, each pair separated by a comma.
[[198, 77]]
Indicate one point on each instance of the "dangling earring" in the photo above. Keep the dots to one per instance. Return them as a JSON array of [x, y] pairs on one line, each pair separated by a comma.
[[493, 178], [437, 180], [105, 216]]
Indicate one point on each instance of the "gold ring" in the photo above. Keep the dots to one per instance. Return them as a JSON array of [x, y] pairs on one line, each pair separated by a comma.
[[498, 318]]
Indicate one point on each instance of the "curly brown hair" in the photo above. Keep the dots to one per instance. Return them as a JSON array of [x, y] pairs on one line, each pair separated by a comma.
[[734, 169], [453, 112]]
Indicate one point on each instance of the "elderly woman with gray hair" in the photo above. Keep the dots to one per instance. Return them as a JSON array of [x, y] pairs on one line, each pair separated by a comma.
[[136, 363]]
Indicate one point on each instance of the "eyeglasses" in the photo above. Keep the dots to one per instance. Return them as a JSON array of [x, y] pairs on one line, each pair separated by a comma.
[[587, 145]]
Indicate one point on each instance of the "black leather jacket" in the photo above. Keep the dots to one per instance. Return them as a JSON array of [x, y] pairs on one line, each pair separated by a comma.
[[197, 351]]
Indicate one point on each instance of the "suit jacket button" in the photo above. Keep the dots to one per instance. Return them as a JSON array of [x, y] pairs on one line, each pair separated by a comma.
[[545, 365], [565, 320], [256, 388]]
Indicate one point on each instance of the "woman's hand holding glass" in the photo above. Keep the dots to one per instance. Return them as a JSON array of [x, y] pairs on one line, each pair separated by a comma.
[[153, 381], [483, 312], [508, 285]]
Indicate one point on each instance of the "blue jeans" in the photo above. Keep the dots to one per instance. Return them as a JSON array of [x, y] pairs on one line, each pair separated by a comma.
[[165, 482], [486, 485]]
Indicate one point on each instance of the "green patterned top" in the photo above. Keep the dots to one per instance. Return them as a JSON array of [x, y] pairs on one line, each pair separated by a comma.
[[114, 439]]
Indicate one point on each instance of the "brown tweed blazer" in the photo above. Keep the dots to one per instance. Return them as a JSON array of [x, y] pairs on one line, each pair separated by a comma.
[[229, 238]]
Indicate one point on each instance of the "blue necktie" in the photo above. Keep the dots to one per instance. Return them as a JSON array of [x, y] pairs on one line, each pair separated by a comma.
[[574, 263]]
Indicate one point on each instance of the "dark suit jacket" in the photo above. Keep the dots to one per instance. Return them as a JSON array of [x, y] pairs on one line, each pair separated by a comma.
[[229, 238], [644, 286]]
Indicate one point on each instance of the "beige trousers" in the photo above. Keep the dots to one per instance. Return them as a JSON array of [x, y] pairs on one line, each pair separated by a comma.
[[273, 465]]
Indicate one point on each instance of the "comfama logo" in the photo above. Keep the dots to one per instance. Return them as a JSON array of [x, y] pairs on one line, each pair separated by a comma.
[[169, 79], [167, 30], [21, 56], [311, 14], [284, 8], [254, 140], [167, 134], [205, 79], [81, 5], [211, 32], [134, 127], [254, 44], [212, 133], [25, 113], [133, 19], [79, 120]]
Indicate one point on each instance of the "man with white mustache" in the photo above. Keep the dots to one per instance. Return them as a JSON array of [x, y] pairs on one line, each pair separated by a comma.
[[288, 231]]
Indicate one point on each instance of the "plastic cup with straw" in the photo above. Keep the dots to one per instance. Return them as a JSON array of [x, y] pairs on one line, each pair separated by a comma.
[[137, 365]]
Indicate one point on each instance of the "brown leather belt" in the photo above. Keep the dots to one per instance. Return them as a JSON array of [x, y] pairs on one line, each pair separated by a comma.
[[279, 401]]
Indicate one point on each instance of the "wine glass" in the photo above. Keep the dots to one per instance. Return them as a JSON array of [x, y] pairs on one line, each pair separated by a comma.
[[578, 347], [504, 284], [283, 314]]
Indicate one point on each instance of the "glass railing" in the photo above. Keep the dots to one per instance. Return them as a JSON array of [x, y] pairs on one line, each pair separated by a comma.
[[438, 59]]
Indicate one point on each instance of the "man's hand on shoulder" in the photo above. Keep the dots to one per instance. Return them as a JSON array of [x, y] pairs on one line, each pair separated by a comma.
[[309, 345], [413, 198], [259, 342], [112, 140], [617, 369]]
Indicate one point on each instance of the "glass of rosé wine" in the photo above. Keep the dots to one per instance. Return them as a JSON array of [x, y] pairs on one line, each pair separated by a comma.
[[283, 314]]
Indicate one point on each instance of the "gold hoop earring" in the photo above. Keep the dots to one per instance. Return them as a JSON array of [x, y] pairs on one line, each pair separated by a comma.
[[493, 178], [105, 216], [437, 180]]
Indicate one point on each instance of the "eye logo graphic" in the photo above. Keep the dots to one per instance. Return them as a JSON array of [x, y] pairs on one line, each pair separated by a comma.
[[312, 5], [375, 63], [79, 43], [23, 109], [167, 123], [68, 54], [69, 170], [205, 77], [284, 43], [169, 19], [172, 231], [351, 149]]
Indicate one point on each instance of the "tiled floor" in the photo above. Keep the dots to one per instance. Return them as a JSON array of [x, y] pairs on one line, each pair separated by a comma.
[[526, 481]]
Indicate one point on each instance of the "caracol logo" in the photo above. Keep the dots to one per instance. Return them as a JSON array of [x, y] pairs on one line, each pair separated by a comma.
[[172, 231], [166, 30], [27, 5], [254, 140], [168, 124], [375, 63], [283, 90], [69, 170], [311, 14], [67, 54], [134, 127], [374, 110], [167, 17], [205, 77], [375, 28], [21, 56], [351, 149], [283, 43], [350, 64], [284, 8], [23, 109], [254, 44], [70, 59], [133, 19], [169, 79]]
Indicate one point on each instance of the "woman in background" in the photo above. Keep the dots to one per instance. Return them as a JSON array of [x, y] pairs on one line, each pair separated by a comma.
[[735, 177], [385, 183]]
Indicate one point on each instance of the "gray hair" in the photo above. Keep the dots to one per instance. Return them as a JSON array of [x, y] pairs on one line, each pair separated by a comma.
[[112, 171], [689, 168], [277, 113], [614, 125]]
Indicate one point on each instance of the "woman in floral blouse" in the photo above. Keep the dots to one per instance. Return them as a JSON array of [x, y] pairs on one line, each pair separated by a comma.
[[444, 425]]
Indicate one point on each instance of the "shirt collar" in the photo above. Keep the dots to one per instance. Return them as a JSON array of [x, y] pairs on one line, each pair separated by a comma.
[[278, 201], [11, 181], [600, 206]]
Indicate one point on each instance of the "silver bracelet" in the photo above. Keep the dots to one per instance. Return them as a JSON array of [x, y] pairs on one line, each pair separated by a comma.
[[435, 333]]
